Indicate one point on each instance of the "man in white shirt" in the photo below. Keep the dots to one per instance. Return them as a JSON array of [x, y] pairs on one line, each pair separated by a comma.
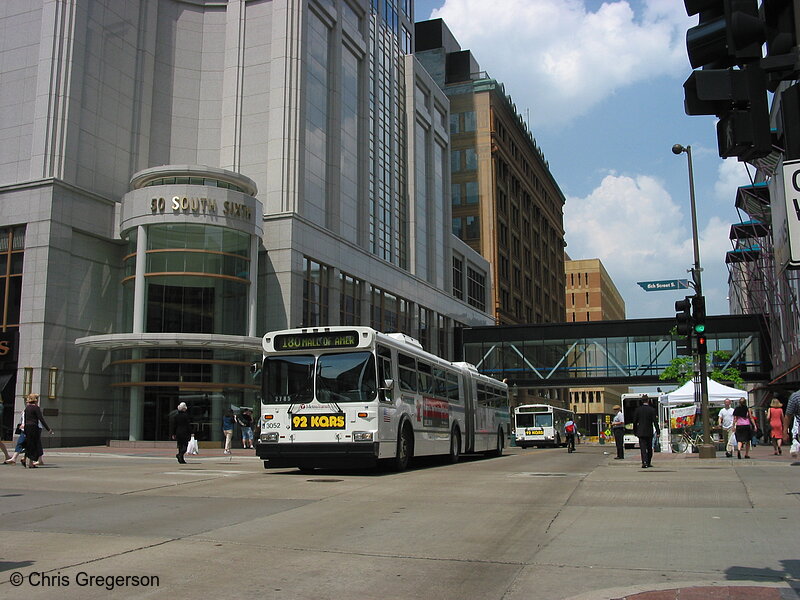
[[725, 421], [618, 429]]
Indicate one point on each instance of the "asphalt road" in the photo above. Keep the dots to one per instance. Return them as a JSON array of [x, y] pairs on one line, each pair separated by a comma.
[[531, 524]]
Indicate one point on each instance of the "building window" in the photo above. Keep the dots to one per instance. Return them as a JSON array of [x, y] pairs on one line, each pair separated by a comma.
[[466, 228], [425, 318], [12, 247], [464, 160], [316, 288], [458, 278], [503, 267], [194, 274], [465, 194], [462, 122], [476, 289], [350, 300], [389, 313]]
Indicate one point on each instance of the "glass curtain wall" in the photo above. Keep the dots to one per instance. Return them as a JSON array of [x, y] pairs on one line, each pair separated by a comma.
[[196, 281]]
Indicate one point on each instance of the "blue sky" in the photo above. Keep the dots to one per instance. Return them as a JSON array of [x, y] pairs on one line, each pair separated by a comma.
[[601, 84]]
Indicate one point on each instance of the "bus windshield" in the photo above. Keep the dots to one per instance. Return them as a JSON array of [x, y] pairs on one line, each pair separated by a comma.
[[348, 377], [288, 379], [345, 377], [534, 420]]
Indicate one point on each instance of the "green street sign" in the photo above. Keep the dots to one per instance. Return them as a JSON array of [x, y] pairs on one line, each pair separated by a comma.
[[664, 285]]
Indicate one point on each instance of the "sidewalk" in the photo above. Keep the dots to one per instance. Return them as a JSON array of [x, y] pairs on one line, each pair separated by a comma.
[[123, 451]]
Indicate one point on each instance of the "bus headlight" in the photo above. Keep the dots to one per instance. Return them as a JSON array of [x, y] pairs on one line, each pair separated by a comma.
[[362, 436], [270, 436]]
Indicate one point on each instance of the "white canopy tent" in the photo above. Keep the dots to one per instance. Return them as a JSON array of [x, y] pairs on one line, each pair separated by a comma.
[[717, 394]]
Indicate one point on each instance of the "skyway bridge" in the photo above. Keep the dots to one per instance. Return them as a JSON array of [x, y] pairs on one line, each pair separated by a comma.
[[597, 353]]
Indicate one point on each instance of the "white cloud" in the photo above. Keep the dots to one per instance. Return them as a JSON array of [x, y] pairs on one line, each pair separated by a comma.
[[640, 233], [564, 56], [730, 175]]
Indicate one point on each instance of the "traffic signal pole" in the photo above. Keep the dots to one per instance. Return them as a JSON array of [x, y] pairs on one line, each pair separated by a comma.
[[707, 449]]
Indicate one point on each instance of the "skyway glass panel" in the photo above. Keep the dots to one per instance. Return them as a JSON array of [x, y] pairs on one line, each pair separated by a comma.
[[636, 357]]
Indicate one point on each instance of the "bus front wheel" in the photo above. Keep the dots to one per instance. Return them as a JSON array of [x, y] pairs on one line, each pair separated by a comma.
[[405, 446]]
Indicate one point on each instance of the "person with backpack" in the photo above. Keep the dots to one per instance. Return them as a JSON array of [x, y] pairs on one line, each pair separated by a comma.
[[570, 432]]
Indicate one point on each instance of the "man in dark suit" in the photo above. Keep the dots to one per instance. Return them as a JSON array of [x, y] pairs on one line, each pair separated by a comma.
[[181, 431], [645, 424]]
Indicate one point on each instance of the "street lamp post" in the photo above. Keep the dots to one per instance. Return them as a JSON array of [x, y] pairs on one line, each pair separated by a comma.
[[707, 449]]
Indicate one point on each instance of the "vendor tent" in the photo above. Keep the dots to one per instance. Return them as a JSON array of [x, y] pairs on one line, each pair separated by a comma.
[[717, 393]]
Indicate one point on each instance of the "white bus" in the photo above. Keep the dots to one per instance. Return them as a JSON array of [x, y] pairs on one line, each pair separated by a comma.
[[352, 396], [540, 425], [630, 402]]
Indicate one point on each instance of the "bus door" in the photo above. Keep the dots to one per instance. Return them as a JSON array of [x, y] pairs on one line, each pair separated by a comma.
[[467, 384]]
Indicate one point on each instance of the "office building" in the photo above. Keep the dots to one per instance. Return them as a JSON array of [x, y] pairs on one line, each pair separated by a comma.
[[506, 203], [592, 296], [178, 177]]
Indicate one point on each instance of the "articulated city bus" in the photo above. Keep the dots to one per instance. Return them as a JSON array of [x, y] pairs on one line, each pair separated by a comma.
[[339, 396], [540, 425]]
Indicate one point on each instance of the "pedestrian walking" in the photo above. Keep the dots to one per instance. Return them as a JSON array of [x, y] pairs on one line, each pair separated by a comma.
[[745, 428], [227, 429], [645, 425], [725, 420], [181, 430], [19, 449], [245, 420], [775, 418], [618, 429], [33, 433]]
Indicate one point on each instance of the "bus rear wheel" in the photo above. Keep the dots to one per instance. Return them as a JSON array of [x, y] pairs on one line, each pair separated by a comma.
[[498, 451]]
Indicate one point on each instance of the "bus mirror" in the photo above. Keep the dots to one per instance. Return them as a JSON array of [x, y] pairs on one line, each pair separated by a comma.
[[388, 384]]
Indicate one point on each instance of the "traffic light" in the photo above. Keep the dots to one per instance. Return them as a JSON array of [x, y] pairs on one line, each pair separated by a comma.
[[683, 317], [699, 323], [781, 62], [701, 348], [729, 34], [699, 314], [738, 97]]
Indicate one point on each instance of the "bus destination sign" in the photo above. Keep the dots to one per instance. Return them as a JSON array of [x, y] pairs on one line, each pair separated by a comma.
[[316, 341]]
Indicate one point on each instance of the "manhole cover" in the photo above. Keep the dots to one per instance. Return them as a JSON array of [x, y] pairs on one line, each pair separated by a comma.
[[540, 475], [324, 480]]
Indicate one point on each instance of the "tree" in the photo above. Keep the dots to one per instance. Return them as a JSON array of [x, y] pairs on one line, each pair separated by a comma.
[[681, 369]]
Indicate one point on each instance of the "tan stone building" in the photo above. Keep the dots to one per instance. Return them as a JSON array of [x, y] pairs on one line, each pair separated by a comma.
[[505, 202], [592, 296]]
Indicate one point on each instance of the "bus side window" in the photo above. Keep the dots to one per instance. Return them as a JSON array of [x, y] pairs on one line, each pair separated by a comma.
[[425, 378], [440, 382], [482, 399], [452, 388], [407, 372]]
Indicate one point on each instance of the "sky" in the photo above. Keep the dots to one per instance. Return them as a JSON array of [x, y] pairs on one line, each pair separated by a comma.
[[601, 87]]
